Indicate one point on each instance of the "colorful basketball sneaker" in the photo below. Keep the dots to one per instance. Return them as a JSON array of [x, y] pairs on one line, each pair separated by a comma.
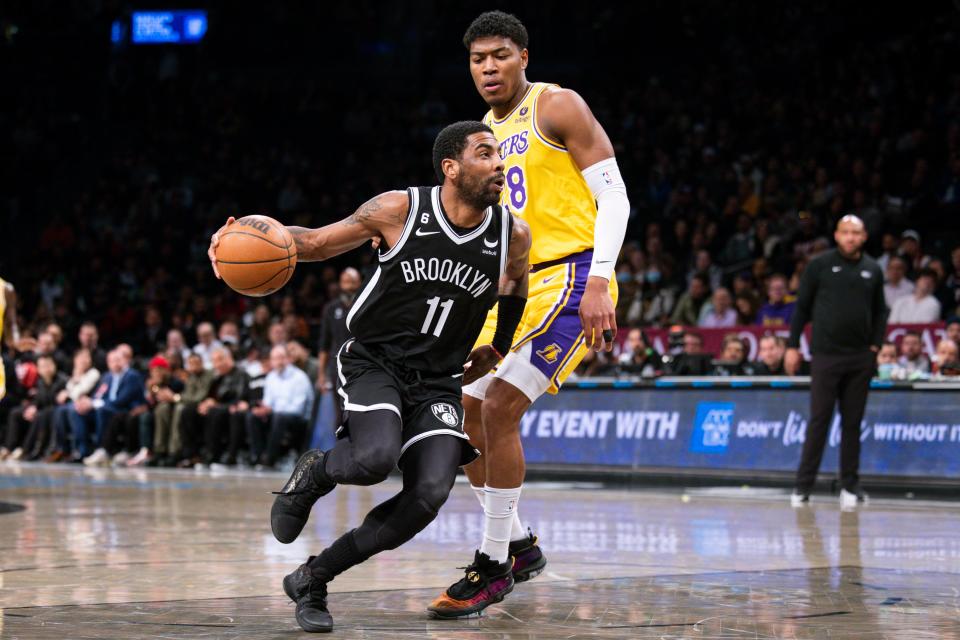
[[485, 583], [528, 559]]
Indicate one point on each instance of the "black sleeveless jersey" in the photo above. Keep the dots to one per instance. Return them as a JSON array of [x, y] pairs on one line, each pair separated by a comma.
[[425, 305]]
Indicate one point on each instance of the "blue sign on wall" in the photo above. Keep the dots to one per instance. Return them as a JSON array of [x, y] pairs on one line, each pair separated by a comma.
[[903, 432], [168, 27]]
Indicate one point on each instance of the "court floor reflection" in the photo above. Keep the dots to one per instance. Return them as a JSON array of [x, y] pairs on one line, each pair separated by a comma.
[[169, 554]]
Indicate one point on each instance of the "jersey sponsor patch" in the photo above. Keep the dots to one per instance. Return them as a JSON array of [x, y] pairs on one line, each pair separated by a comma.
[[445, 413]]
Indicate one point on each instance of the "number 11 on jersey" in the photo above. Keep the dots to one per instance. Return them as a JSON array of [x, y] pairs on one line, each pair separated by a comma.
[[433, 303]]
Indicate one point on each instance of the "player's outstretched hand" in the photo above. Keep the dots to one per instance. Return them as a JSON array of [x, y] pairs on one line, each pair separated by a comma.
[[214, 243], [597, 315], [479, 363]]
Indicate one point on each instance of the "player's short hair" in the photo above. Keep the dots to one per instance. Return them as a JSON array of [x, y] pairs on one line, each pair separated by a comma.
[[452, 140], [496, 23]]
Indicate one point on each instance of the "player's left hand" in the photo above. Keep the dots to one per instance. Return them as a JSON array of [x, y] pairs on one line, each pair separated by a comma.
[[479, 363], [214, 243], [597, 315]]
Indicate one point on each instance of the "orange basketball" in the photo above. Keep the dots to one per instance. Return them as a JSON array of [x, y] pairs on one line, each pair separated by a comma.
[[256, 255]]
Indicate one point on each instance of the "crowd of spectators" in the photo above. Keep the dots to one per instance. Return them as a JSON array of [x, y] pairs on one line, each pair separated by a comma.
[[224, 401], [741, 148]]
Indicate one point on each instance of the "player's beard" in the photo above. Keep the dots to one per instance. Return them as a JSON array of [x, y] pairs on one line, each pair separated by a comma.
[[476, 191]]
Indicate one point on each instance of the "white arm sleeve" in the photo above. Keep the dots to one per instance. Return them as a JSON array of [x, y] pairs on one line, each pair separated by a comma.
[[613, 210]]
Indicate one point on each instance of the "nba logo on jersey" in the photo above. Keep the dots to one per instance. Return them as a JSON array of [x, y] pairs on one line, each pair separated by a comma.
[[711, 428], [446, 413]]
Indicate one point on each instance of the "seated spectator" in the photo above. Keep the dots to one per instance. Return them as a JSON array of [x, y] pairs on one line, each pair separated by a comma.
[[278, 334], [721, 313], [920, 307], [747, 308], [47, 346], [691, 361], [229, 336], [733, 358], [283, 415], [151, 337], [206, 343], [300, 357], [770, 356], [912, 252], [176, 344], [703, 263], [913, 361], [219, 418], [953, 329], [896, 285], [946, 360], [777, 311], [29, 425], [639, 358], [89, 338], [687, 311], [81, 384], [259, 327], [887, 361], [253, 363], [163, 390], [119, 392], [167, 415]]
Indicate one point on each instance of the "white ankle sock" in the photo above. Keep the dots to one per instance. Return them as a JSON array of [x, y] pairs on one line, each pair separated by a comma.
[[478, 491], [499, 507], [517, 532]]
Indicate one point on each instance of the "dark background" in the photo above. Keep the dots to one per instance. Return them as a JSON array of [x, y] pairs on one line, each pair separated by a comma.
[[120, 161]]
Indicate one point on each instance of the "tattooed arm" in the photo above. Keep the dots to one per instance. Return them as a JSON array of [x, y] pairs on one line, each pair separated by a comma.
[[381, 217]]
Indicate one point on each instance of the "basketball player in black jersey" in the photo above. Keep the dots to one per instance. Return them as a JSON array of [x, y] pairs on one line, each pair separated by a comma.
[[447, 255]]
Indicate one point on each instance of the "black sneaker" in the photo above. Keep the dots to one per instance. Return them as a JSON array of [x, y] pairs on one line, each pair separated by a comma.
[[310, 595], [528, 559], [291, 508], [486, 582]]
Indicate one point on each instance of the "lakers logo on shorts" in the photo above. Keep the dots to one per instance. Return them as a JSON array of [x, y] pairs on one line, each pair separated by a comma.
[[550, 353], [446, 414]]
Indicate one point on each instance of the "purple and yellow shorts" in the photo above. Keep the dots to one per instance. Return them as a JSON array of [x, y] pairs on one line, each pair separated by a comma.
[[549, 343]]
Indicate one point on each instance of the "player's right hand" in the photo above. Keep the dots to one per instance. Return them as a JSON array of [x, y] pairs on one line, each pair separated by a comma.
[[479, 363], [214, 243]]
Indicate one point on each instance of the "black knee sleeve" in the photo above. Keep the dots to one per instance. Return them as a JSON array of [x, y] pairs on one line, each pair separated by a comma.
[[369, 452]]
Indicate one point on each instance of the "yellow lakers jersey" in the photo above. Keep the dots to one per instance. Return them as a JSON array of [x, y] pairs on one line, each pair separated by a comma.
[[544, 185]]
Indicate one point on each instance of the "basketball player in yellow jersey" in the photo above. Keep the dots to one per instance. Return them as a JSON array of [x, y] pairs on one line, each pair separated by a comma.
[[563, 180], [8, 320]]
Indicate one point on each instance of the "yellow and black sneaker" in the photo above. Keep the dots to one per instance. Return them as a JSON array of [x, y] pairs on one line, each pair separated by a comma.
[[528, 559], [291, 507], [485, 583]]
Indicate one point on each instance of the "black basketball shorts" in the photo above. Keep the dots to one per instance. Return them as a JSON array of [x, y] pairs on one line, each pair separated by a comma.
[[427, 405]]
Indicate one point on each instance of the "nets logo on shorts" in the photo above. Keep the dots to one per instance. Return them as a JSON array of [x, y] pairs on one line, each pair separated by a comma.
[[550, 353], [711, 428], [446, 414]]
